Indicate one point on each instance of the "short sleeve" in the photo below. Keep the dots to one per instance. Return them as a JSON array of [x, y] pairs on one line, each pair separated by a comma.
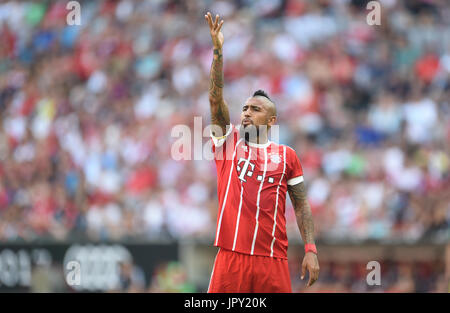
[[294, 168], [222, 147], [219, 141]]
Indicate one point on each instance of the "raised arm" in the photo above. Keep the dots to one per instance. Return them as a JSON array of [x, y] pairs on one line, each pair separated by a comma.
[[219, 109], [305, 223]]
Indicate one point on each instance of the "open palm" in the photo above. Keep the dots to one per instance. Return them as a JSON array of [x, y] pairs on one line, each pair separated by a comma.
[[214, 29]]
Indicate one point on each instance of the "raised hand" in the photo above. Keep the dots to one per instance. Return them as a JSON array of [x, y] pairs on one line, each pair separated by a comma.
[[219, 108], [214, 29]]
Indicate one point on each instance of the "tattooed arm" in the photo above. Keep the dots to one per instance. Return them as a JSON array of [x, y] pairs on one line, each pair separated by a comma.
[[305, 223], [302, 209], [219, 109]]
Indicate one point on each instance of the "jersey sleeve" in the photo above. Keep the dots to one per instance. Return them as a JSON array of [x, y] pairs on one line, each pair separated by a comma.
[[221, 146], [294, 168]]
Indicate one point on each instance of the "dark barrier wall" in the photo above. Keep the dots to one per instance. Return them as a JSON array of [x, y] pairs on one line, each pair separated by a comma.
[[83, 267], [88, 267], [419, 267]]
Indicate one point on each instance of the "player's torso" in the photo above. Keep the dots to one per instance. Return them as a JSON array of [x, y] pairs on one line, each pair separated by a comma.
[[252, 194]]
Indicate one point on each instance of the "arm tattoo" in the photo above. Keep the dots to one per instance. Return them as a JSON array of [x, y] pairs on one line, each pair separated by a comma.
[[219, 109], [217, 69], [302, 211]]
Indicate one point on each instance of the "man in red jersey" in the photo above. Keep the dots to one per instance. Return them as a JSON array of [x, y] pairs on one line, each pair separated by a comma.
[[253, 176]]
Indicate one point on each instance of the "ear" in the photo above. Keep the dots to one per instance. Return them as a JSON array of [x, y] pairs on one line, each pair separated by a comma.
[[272, 121]]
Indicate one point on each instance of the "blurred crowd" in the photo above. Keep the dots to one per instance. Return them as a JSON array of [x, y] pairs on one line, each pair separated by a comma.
[[87, 112]]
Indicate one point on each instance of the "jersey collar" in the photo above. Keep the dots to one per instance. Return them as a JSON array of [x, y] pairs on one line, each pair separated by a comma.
[[259, 145]]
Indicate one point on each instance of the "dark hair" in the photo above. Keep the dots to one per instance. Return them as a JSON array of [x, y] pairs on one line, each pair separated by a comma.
[[261, 93]]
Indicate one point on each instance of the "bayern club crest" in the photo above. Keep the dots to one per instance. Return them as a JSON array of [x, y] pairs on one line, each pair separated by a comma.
[[275, 158]]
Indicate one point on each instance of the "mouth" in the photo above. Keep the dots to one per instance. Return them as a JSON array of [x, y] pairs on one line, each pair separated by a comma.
[[246, 122]]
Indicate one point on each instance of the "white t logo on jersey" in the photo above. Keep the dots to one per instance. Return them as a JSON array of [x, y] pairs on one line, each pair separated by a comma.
[[245, 170]]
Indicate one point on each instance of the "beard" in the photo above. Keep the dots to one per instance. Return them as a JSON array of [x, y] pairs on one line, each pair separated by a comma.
[[250, 133]]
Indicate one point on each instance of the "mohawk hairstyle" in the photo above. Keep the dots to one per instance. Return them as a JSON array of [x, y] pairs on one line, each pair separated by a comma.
[[261, 93]]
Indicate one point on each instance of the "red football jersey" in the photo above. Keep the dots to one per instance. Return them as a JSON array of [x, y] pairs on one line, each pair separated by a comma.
[[252, 182]]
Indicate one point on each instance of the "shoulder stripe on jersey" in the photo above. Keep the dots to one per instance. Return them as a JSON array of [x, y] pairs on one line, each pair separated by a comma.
[[276, 202], [226, 192], [295, 180], [257, 201]]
